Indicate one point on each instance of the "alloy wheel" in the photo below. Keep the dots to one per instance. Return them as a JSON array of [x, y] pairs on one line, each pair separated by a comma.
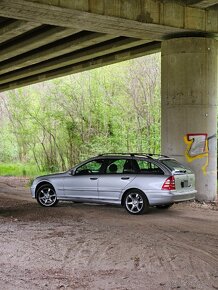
[[47, 196], [134, 202]]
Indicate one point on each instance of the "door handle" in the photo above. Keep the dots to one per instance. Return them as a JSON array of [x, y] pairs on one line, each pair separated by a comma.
[[93, 178], [124, 178]]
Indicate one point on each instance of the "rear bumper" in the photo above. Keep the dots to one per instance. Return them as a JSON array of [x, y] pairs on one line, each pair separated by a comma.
[[184, 197], [166, 197]]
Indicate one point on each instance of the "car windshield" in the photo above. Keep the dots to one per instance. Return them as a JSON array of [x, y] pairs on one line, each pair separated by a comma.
[[176, 166]]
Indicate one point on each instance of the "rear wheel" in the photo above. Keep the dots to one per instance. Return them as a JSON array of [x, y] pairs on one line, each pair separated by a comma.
[[164, 206], [46, 195], [136, 202]]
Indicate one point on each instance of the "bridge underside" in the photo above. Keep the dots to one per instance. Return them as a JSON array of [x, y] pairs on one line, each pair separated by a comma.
[[44, 39]]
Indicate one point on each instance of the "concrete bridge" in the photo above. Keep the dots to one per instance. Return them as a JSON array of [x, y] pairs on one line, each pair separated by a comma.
[[44, 39]]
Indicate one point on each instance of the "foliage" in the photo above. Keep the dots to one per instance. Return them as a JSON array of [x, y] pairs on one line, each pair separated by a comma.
[[18, 169], [57, 123]]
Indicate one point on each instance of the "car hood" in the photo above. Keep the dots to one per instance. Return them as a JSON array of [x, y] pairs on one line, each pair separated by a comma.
[[49, 176]]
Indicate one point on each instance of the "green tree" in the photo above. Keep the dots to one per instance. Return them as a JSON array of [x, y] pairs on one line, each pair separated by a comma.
[[57, 123]]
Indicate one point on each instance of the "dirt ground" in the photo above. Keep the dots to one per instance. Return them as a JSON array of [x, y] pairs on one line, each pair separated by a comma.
[[81, 246]]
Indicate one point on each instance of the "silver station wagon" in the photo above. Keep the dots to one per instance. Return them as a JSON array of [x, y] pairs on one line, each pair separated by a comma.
[[134, 180]]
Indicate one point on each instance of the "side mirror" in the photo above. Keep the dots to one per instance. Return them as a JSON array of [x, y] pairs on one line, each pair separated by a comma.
[[72, 172]]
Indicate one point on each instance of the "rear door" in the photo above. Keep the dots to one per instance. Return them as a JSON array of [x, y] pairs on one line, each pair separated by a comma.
[[118, 174]]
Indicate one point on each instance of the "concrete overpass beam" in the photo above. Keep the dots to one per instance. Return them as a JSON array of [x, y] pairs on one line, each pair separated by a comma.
[[189, 108]]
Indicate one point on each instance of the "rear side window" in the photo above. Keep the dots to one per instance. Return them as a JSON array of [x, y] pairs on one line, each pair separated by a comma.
[[174, 165], [120, 166], [146, 167]]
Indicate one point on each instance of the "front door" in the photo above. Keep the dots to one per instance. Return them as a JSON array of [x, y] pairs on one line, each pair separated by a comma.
[[83, 184]]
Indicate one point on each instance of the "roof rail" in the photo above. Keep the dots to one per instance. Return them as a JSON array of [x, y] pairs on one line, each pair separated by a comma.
[[116, 153], [134, 154], [152, 154]]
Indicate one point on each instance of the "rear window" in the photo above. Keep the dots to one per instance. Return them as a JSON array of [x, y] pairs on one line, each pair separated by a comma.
[[146, 167], [174, 165]]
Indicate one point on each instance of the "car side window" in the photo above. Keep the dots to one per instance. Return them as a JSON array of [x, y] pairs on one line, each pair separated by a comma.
[[120, 166], [146, 167], [92, 167]]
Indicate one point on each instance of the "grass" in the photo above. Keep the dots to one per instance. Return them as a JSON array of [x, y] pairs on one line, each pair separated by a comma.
[[18, 169]]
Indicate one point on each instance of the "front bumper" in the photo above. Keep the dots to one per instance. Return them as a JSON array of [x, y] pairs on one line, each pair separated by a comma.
[[32, 189]]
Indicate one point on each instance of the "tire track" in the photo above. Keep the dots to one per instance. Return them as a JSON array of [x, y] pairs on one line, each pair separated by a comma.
[[201, 254]]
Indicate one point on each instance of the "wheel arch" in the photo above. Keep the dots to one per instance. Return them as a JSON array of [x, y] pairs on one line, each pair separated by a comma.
[[45, 182], [131, 189]]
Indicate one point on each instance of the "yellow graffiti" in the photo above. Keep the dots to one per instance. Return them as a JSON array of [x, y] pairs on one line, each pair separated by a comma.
[[199, 156]]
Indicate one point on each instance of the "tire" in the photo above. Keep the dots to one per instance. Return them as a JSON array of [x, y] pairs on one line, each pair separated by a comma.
[[164, 206], [136, 202], [46, 195]]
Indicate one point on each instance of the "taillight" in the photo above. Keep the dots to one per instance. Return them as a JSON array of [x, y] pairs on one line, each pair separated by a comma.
[[169, 184]]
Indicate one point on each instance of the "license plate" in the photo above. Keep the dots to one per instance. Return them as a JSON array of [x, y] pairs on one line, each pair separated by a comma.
[[184, 183]]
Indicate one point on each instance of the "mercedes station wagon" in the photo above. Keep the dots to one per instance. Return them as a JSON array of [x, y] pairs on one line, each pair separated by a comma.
[[135, 181]]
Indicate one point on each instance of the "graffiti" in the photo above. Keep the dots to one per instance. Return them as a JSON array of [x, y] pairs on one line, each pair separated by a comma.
[[197, 147], [210, 138], [199, 144]]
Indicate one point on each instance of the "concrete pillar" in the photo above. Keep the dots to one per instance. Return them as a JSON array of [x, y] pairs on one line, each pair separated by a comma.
[[189, 80]]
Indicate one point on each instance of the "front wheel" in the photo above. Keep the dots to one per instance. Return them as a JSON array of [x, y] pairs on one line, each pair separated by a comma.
[[136, 202], [46, 195]]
